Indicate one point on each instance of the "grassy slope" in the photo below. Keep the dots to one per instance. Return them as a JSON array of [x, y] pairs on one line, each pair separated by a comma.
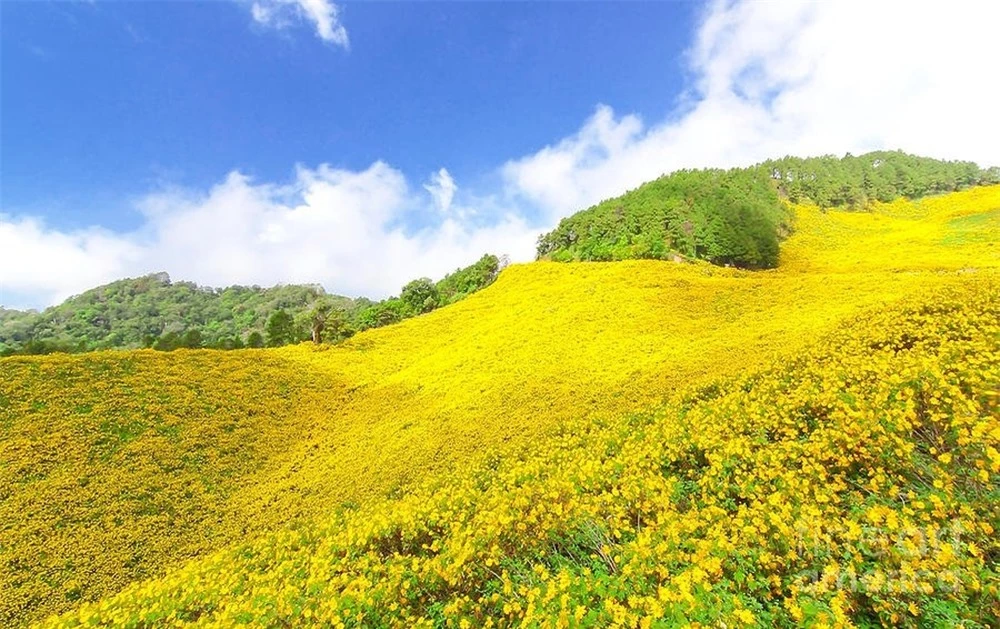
[[254, 440]]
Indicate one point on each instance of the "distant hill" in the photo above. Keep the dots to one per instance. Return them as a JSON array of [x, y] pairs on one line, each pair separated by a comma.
[[153, 311], [737, 217], [138, 312]]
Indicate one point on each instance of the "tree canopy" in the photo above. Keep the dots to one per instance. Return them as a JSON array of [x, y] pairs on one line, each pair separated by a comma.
[[726, 217], [852, 182]]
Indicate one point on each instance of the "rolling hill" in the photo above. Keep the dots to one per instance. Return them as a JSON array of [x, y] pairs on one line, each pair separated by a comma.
[[590, 443], [139, 312]]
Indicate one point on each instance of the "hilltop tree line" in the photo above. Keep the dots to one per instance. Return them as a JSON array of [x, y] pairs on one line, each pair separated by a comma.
[[737, 217], [853, 182], [155, 312]]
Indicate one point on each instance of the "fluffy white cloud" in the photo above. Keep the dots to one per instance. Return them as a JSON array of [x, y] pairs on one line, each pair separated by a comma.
[[337, 227], [442, 189], [323, 14], [40, 266], [773, 79]]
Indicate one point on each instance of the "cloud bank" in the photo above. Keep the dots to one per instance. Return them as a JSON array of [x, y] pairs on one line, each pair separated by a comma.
[[766, 79]]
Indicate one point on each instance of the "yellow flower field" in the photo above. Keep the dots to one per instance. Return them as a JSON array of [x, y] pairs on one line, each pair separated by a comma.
[[858, 481], [579, 444]]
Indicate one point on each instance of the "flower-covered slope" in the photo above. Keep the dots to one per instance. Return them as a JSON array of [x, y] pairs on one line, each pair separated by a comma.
[[854, 485], [116, 467]]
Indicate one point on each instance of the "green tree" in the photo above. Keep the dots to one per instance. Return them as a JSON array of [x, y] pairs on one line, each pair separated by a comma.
[[420, 295], [383, 313], [701, 214], [231, 342], [316, 318], [280, 328], [255, 340], [336, 327], [192, 339], [468, 280], [168, 342], [136, 312]]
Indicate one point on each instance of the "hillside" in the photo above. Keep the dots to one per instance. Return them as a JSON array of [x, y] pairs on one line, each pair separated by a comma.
[[852, 485], [737, 217], [153, 311], [142, 311], [120, 466]]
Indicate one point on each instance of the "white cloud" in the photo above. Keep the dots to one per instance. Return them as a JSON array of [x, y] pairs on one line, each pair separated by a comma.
[[41, 266], [773, 78], [442, 189], [323, 14], [337, 227]]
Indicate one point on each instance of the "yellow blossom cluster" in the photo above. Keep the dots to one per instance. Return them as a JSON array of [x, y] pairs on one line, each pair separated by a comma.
[[485, 462]]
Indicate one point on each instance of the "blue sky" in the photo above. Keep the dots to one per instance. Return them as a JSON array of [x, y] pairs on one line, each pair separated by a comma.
[[105, 100], [363, 144]]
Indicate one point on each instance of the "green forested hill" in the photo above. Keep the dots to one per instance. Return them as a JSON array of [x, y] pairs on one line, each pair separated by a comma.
[[726, 217], [140, 312], [153, 311], [736, 217]]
